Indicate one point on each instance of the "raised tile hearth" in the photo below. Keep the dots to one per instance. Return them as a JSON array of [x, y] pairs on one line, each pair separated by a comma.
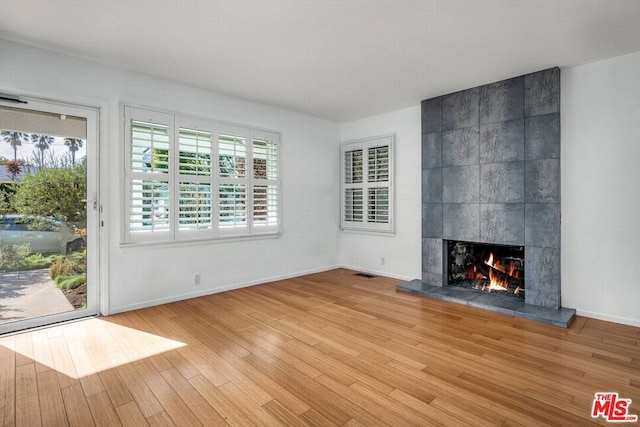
[[506, 305]]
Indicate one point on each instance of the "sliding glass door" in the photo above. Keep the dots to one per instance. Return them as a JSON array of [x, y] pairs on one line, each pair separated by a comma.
[[48, 213]]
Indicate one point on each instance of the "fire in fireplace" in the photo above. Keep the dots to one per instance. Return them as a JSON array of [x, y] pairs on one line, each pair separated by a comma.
[[487, 268]]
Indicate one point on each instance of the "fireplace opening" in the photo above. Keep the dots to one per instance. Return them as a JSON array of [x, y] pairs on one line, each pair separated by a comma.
[[497, 269]]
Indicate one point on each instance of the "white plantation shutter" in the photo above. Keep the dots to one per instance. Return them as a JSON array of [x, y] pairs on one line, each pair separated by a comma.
[[367, 195], [353, 205], [352, 186], [378, 205], [195, 152], [378, 179], [195, 197], [353, 166], [149, 147], [233, 181], [149, 201], [378, 164], [265, 159], [196, 179]]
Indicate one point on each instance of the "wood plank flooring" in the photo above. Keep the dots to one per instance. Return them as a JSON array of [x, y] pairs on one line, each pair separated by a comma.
[[320, 350]]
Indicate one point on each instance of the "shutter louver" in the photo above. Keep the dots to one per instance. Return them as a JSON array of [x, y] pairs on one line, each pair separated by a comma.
[[378, 164], [265, 205], [378, 205], [232, 156], [233, 202], [353, 206], [195, 153], [195, 206], [149, 148], [265, 159], [353, 167], [149, 206]]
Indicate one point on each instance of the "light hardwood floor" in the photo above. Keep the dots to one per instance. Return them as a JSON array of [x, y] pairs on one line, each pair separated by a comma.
[[324, 349]]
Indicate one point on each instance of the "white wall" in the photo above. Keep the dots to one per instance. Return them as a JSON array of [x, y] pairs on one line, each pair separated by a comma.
[[142, 276], [600, 113], [402, 251]]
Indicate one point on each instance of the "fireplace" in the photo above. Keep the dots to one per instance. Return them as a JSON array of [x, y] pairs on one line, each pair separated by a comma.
[[497, 269], [491, 175]]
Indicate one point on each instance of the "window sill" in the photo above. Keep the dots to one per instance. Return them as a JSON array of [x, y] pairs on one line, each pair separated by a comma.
[[384, 233], [199, 241]]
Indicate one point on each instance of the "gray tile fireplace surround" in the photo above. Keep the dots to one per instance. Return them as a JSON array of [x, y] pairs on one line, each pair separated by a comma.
[[491, 174]]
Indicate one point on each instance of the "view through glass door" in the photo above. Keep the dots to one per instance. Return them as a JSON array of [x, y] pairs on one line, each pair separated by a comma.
[[48, 213]]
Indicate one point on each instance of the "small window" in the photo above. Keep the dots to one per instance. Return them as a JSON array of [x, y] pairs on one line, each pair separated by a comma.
[[367, 190]]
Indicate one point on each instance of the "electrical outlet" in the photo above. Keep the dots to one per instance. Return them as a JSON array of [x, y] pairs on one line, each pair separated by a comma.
[[196, 279], [383, 261]]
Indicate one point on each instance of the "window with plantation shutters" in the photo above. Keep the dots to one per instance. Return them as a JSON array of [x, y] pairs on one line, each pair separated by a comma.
[[196, 179], [366, 185]]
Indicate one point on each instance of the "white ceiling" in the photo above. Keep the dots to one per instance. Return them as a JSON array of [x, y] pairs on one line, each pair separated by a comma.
[[337, 59]]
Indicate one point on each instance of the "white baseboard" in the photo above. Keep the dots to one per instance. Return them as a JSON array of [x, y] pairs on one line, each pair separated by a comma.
[[189, 295], [608, 318]]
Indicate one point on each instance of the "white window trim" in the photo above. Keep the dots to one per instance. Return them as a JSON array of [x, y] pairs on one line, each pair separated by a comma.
[[175, 122], [365, 145]]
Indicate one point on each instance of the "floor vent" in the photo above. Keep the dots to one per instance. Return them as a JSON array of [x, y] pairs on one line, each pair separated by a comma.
[[365, 275]]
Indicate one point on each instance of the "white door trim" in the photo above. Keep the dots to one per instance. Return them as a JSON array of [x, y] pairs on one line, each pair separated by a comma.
[[96, 268]]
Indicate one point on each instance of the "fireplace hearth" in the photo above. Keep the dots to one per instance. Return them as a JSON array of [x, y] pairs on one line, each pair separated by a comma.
[[497, 269]]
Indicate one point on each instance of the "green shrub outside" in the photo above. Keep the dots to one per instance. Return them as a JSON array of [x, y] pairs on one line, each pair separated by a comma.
[[70, 282], [7, 191], [70, 271], [13, 255], [10, 259], [57, 193], [59, 267]]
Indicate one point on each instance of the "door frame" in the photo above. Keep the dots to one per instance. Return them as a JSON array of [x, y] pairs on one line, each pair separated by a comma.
[[96, 272]]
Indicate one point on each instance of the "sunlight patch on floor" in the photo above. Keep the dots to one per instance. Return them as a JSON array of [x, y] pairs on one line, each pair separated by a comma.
[[84, 348]]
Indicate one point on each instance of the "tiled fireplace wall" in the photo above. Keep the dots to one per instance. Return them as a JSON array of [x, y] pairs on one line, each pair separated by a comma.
[[491, 174]]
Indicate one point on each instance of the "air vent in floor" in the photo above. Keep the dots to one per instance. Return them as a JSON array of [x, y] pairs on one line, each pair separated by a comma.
[[365, 275]]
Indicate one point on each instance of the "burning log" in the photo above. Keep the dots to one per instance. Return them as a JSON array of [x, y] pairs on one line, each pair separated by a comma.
[[510, 269]]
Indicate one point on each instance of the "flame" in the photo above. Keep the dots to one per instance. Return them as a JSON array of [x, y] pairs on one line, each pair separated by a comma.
[[497, 264], [490, 260], [510, 269], [497, 283]]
